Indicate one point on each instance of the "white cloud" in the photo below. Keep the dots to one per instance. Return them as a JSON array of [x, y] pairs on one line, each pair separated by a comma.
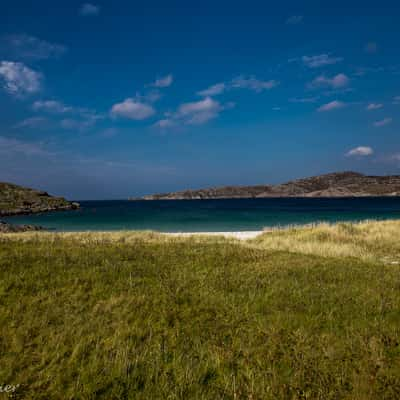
[[19, 79], [253, 84], [199, 112], [89, 9], [371, 47], [206, 104], [193, 113], [51, 106], [132, 109], [165, 81], [333, 105], [383, 122], [11, 145], [374, 106], [240, 82], [294, 20], [213, 90], [361, 151], [31, 47], [337, 81], [320, 60]]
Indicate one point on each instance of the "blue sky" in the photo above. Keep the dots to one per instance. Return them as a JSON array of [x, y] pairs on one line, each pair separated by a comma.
[[115, 99]]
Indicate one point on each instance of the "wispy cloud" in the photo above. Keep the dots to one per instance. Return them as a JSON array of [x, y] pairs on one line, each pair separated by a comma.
[[320, 60], [32, 122], [18, 79], [89, 9], [333, 105], [58, 107], [163, 82], [337, 81], [360, 151], [240, 82], [294, 20], [374, 106], [132, 109], [77, 124], [22, 46], [213, 90], [396, 100], [252, 83], [389, 69], [73, 118], [152, 96], [193, 113], [51, 106], [165, 123], [383, 122], [199, 112], [11, 145], [393, 158]]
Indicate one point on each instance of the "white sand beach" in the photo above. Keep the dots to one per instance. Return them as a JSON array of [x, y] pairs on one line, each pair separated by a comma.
[[236, 235]]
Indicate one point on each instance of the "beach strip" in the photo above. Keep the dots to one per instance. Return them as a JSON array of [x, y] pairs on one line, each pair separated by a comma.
[[244, 235]]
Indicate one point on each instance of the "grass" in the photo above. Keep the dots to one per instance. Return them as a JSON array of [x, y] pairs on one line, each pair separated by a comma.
[[304, 313], [373, 241]]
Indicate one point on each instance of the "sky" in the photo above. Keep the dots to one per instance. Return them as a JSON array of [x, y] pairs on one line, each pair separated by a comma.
[[107, 100]]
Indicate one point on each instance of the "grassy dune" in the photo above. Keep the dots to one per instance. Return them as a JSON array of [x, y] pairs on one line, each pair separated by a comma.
[[305, 313], [373, 241]]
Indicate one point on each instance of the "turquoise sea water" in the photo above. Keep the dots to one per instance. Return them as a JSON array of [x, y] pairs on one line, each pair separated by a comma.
[[212, 215]]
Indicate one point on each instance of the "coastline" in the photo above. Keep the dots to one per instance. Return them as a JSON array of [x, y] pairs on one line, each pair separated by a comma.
[[239, 235]]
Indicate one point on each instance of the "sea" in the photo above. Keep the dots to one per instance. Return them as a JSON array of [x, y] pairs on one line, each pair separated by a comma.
[[212, 215]]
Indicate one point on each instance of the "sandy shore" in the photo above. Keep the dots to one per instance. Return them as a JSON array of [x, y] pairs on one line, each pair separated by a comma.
[[236, 235]]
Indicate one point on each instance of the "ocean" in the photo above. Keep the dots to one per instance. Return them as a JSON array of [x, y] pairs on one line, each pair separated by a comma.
[[212, 215]]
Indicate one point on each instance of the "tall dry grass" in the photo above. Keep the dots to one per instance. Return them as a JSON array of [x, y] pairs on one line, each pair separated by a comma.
[[371, 240]]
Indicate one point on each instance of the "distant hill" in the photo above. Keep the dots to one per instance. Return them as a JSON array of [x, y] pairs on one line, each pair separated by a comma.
[[338, 184], [16, 200]]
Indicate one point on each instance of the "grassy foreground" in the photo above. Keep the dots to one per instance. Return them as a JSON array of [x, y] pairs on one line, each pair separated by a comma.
[[305, 313]]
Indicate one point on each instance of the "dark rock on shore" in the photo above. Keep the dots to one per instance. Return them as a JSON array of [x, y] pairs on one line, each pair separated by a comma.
[[17, 200], [339, 184], [11, 228]]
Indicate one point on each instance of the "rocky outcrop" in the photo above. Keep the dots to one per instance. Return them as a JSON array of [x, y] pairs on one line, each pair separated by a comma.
[[11, 228], [16, 200], [339, 184]]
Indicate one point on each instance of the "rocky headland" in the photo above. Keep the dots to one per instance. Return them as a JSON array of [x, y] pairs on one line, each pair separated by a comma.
[[18, 200], [338, 184]]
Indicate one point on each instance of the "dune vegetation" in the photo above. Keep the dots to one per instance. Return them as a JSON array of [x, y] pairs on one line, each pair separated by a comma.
[[299, 313]]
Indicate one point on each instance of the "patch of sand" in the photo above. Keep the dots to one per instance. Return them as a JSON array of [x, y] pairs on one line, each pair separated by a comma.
[[236, 235]]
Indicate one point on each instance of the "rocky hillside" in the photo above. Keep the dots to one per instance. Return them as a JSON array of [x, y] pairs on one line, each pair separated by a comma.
[[16, 200], [339, 184]]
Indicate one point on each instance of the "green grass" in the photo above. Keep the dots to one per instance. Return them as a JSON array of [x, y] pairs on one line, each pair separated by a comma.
[[144, 316]]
